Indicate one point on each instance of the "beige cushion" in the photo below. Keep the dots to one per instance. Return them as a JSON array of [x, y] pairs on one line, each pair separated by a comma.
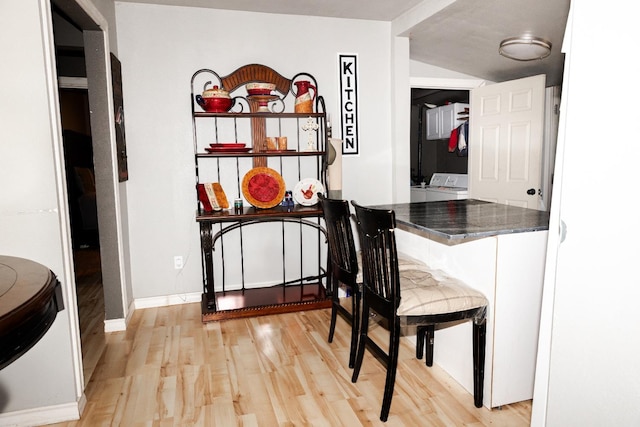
[[405, 262], [426, 292]]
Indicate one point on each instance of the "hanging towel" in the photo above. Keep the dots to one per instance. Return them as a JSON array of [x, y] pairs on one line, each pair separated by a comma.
[[463, 137], [453, 140]]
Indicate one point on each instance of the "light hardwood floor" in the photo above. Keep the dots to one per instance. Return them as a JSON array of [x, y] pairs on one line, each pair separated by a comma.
[[90, 308], [169, 369]]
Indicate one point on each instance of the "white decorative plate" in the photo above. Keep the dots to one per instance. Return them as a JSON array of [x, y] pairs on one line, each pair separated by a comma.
[[306, 191]]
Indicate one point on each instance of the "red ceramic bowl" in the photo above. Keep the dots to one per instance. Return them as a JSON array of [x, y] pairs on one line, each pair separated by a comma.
[[259, 92], [214, 105], [260, 88]]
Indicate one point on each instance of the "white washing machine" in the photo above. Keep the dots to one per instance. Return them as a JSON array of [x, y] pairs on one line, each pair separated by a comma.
[[443, 186]]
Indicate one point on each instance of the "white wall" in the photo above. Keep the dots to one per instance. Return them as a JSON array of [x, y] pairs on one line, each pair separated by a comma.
[[106, 10], [45, 385], [400, 161], [592, 287], [33, 214], [160, 47]]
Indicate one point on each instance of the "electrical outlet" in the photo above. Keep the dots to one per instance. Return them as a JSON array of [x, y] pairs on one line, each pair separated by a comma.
[[178, 262]]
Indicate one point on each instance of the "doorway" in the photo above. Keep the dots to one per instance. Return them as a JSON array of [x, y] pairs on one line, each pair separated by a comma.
[[433, 155], [81, 188], [114, 267]]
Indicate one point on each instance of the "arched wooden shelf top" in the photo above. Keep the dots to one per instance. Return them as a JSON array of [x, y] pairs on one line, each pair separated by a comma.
[[256, 73]]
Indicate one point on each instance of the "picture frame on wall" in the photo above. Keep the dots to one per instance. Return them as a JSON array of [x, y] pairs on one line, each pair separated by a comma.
[[118, 107]]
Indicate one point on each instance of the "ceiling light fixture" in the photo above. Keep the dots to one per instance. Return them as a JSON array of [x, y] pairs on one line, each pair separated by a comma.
[[525, 48]]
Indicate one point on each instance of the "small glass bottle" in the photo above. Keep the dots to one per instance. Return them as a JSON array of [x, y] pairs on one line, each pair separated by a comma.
[[237, 206]]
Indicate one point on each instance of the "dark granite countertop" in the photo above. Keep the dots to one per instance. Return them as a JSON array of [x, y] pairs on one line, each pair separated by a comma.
[[457, 221]]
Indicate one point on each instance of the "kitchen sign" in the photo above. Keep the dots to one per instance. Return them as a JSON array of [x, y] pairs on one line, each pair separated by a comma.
[[349, 103]]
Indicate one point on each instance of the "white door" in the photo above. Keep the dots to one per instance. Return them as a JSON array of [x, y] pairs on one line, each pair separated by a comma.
[[505, 142]]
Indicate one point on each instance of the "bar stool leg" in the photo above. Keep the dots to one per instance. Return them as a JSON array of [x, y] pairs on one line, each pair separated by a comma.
[[429, 338], [479, 341]]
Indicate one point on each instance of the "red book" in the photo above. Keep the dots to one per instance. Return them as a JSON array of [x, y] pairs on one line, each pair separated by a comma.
[[212, 197]]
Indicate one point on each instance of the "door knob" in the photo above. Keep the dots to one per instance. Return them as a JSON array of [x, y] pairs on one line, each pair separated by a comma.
[[531, 191]]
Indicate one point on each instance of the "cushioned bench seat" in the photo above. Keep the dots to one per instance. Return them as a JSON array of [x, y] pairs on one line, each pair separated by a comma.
[[428, 291]]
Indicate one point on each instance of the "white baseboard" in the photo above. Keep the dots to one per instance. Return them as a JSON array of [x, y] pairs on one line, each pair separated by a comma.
[[44, 415], [166, 300], [116, 325]]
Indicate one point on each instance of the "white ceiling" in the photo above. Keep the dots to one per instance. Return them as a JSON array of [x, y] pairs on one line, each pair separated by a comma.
[[463, 36], [376, 10]]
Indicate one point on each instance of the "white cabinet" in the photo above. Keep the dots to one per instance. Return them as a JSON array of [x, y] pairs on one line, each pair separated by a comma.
[[433, 123], [509, 270], [442, 120]]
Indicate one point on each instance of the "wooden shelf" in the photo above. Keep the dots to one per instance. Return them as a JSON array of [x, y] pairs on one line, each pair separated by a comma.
[[307, 291], [263, 301], [251, 213], [256, 114], [264, 154]]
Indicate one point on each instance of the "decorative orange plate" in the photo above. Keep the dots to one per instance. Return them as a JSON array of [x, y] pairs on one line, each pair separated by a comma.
[[263, 187]]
